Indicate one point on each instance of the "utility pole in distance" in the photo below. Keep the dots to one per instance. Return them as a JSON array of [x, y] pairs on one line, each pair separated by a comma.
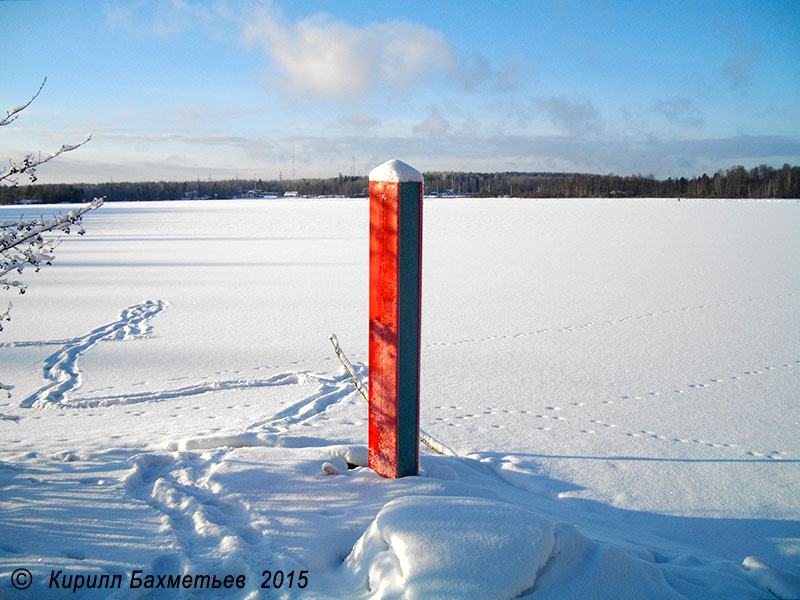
[[395, 283]]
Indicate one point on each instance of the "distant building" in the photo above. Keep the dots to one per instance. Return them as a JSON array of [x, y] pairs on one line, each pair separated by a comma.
[[256, 193]]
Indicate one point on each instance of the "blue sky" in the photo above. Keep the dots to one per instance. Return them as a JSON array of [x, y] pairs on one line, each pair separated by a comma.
[[180, 89]]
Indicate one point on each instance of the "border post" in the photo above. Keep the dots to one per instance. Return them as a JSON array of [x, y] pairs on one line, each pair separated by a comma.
[[395, 283]]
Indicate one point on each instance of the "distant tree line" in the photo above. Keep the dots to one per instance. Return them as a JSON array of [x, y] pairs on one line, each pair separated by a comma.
[[178, 190], [737, 182]]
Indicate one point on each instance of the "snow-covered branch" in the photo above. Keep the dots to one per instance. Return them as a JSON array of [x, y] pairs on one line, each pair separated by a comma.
[[13, 114], [31, 242], [27, 166], [30, 162], [24, 230], [24, 243]]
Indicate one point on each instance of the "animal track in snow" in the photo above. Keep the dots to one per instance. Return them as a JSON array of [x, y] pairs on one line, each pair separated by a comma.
[[582, 326], [597, 425], [649, 434], [710, 383], [607, 323], [714, 381], [491, 411]]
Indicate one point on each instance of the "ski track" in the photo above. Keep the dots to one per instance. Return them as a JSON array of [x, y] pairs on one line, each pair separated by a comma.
[[61, 367], [207, 529], [206, 387], [62, 370], [331, 392]]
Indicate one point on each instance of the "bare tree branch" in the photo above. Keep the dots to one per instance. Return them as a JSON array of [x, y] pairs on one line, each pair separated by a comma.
[[5, 317], [30, 163], [23, 244], [28, 230], [30, 242], [13, 114]]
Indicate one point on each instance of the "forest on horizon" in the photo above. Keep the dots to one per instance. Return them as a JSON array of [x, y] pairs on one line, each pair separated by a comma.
[[737, 182]]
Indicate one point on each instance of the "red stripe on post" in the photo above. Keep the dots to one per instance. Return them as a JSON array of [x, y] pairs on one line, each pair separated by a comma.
[[395, 268]]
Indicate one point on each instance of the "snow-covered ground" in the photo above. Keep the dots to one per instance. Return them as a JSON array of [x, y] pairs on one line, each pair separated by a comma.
[[620, 380]]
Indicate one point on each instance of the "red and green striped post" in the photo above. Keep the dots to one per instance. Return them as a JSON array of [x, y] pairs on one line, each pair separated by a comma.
[[395, 282]]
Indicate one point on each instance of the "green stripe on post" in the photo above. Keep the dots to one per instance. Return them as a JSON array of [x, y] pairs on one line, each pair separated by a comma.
[[408, 327]]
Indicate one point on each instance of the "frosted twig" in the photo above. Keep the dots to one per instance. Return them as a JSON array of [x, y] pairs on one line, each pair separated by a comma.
[[431, 442], [13, 114], [24, 244], [30, 162]]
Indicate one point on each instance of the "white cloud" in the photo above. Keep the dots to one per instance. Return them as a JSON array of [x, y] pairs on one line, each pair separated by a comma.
[[408, 50], [323, 57], [320, 56]]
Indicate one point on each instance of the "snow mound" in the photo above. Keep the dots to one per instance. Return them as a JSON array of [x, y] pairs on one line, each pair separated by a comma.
[[583, 568], [450, 547], [778, 582], [395, 171]]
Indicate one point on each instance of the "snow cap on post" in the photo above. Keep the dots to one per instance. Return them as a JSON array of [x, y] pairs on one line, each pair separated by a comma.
[[395, 171]]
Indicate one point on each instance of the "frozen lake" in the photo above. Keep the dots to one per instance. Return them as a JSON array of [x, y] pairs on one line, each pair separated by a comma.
[[633, 366]]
